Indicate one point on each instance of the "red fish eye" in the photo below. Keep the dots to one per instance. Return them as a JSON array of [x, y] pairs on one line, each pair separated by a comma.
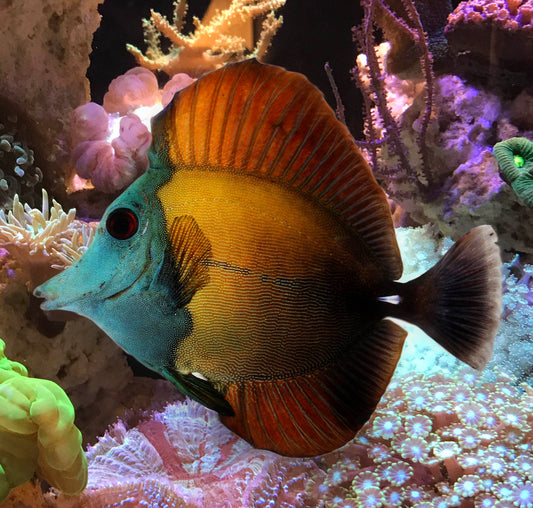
[[122, 223]]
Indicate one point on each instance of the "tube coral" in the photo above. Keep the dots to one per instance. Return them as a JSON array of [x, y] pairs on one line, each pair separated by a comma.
[[515, 159], [37, 432]]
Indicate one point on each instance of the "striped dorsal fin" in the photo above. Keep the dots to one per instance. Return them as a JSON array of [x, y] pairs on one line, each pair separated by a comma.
[[265, 121]]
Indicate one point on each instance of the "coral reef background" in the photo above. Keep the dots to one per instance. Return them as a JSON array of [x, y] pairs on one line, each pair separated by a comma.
[[475, 448]]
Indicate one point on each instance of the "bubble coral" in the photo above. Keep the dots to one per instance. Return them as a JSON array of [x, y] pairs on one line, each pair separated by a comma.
[[110, 141], [37, 432], [515, 159]]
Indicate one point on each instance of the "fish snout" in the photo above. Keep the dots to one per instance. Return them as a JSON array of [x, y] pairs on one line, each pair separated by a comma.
[[49, 294]]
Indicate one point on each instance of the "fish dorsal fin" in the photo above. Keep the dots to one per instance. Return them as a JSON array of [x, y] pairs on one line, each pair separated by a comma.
[[265, 121]]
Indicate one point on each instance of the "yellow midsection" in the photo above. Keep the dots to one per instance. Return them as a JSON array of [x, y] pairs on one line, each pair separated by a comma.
[[273, 306]]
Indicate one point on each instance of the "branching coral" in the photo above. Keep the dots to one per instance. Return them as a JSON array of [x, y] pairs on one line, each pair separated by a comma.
[[37, 432], [382, 129], [515, 159], [463, 187], [212, 44], [41, 242]]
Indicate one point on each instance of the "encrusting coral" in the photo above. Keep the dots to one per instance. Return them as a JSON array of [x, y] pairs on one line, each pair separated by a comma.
[[515, 159], [37, 432], [480, 33], [214, 41]]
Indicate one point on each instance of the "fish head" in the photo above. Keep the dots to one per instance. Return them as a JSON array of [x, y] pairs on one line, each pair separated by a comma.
[[116, 283]]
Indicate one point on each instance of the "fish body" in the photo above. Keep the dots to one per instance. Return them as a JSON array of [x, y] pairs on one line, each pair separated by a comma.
[[252, 263]]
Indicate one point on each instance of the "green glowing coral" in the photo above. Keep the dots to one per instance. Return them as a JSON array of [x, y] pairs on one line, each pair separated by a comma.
[[37, 432], [515, 158]]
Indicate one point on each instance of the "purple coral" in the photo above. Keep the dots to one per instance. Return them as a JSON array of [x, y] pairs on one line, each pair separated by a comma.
[[468, 444]]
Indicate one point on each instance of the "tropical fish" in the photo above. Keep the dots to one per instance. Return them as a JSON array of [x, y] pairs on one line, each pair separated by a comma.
[[254, 266]]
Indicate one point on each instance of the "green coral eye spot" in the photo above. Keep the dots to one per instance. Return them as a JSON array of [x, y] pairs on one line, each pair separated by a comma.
[[519, 161], [515, 161]]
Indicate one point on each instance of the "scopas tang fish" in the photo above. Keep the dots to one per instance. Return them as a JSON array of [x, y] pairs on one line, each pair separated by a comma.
[[252, 266]]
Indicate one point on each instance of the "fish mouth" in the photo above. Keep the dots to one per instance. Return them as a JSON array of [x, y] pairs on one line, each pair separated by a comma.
[[59, 294]]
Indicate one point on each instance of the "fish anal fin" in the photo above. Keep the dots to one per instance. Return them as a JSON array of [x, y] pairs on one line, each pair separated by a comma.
[[261, 120], [184, 268], [200, 390], [318, 412]]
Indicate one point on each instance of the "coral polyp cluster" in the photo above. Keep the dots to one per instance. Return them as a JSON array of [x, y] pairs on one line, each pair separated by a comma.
[[37, 432], [43, 241], [515, 159], [213, 43], [436, 442]]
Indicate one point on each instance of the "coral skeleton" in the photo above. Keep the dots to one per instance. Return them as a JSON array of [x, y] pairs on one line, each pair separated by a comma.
[[212, 44]]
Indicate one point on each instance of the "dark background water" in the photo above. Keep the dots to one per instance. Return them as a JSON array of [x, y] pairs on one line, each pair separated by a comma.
[[313, 32]]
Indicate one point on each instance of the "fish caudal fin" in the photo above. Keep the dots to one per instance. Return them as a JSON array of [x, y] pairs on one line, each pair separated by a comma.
[[458, 301]]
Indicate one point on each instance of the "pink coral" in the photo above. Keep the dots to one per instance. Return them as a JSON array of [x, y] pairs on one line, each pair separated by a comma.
[[187, 454], [110, 141], [112, 165], [137, 87]]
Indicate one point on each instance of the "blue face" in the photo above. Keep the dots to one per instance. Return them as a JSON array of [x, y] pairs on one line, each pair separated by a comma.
[[117, 283]]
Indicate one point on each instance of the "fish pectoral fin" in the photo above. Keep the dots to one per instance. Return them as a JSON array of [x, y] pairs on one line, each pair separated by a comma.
[[184, 267], [200, 390]]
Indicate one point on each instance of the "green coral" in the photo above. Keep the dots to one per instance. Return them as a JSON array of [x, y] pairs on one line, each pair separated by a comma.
[[515, 158], [37, 432]]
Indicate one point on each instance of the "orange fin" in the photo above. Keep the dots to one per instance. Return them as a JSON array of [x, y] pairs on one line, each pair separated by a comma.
[[264, 121], [318, 412], [458, 301], [184, 269]]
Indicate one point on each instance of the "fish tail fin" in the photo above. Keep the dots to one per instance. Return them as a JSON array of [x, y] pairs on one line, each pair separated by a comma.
[[458, 301]]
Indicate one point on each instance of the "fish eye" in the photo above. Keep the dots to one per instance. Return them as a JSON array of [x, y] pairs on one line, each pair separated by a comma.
[[122, 223]]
